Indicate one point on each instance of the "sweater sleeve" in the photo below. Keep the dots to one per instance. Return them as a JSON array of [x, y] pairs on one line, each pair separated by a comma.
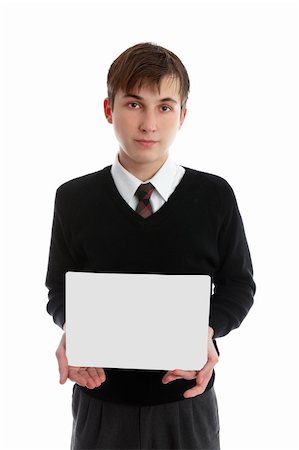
[[61, 259], [234, 287]]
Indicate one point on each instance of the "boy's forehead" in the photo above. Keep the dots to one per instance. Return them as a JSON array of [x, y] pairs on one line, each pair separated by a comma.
[[167, 87]]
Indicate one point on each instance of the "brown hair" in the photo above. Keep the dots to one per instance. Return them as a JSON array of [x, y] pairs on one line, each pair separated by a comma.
[[146, 63]]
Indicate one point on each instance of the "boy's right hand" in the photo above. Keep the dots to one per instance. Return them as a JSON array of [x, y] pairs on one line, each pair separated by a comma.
[[89, 377]]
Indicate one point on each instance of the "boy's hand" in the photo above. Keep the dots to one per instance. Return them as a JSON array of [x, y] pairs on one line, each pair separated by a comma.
[[89, 377], [202, 376]]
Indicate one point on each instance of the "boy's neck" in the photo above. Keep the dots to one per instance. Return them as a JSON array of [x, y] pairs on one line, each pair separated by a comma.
[[141, 171]]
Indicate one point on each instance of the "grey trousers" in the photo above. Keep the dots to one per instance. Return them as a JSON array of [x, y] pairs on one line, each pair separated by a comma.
[[191, 423]]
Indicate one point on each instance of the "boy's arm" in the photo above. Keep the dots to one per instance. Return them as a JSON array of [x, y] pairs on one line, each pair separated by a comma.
[[61, 259], [233, 293], [233, 281]]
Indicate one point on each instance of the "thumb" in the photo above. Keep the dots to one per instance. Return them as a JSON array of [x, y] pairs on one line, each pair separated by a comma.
[[63, 372], [62, 361]]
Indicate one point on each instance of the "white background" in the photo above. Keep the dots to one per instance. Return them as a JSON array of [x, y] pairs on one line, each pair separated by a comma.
[[242, 124]]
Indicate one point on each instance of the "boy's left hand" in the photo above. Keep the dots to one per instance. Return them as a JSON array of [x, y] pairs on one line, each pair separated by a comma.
[[202, 376]]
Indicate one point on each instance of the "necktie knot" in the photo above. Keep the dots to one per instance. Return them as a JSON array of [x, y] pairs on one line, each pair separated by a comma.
[[143, 194], [144, 191]]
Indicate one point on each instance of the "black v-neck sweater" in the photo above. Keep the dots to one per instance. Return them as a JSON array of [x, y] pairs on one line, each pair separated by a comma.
[[199, 230]]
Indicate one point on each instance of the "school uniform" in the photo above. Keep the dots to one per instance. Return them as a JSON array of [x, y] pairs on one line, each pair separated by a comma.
[[190, 224]]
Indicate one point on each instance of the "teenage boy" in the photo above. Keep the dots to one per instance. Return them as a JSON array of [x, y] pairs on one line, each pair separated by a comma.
[[146, 214]]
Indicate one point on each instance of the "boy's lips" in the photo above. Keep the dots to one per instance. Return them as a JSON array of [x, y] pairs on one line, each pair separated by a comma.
[[145, 142]]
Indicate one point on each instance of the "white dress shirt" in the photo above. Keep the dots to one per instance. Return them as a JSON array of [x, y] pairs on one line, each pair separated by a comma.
[[165, 181]]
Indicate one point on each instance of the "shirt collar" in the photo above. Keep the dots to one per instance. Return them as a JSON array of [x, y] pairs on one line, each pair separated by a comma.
[[128, 183]]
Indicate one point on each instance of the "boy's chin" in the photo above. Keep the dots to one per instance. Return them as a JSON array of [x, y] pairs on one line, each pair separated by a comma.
[[145, 156]]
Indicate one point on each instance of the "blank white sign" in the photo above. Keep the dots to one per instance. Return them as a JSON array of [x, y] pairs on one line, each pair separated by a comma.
[[137, 321]]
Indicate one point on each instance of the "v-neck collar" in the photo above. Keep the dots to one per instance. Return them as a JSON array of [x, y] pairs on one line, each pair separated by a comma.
[[162, 212]]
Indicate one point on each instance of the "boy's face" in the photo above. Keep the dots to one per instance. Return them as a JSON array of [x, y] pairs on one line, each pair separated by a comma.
[[146, 122]]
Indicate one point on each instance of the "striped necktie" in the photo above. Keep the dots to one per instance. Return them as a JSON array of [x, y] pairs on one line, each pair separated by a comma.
[[143, 193]]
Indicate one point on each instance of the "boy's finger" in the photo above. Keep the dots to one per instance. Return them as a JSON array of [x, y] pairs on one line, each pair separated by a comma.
[[63, 368], [177, 373]]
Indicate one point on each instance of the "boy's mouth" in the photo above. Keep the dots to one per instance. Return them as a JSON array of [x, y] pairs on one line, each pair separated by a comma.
[[146, 143]]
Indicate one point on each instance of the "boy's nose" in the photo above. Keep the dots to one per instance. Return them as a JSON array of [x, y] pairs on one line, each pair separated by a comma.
[[148, 123]]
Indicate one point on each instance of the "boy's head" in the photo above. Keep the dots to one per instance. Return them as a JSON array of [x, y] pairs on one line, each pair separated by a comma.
[[146, 64], [148, 88]]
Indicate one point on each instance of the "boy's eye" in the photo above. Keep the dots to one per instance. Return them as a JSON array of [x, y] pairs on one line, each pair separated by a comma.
[[165, 108], [133, 105]]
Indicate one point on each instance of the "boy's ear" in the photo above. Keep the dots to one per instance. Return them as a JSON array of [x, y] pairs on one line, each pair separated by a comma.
[[107, 110], [182, 118]]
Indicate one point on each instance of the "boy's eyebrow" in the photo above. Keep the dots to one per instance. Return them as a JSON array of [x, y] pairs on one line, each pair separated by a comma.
[[166, 99]]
